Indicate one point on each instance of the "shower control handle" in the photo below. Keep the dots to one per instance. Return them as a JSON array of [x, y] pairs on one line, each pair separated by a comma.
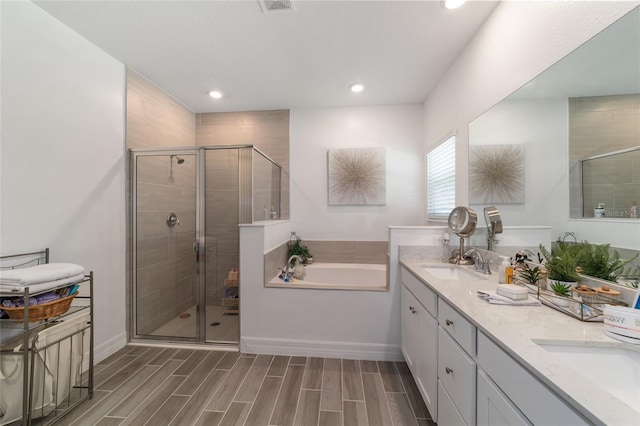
[[172, 219]]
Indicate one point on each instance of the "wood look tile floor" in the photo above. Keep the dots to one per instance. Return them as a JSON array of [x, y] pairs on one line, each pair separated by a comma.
[[164, 386]]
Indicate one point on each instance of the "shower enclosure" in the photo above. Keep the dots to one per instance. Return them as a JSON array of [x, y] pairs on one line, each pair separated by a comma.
[[187, 204]]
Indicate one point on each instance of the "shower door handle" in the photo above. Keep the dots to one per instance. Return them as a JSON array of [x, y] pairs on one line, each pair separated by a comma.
[[196, 248]]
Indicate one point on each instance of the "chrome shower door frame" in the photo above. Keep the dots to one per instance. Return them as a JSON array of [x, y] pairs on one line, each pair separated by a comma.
[[199, 243], [246, 155]]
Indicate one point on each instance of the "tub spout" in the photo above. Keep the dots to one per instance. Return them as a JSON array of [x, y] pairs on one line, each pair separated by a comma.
[[288, 273]]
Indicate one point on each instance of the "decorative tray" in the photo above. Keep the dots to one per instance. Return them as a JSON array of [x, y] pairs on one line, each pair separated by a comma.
[[585, 305]]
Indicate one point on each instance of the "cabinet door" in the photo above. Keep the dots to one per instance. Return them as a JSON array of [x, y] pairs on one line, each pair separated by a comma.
[[494, 408], [409, 329], [457, 373], [427, 360], [448, 414], [525, 390]]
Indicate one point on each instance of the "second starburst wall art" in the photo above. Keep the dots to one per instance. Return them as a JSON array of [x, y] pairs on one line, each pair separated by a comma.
[[496, 174], [356, 177]]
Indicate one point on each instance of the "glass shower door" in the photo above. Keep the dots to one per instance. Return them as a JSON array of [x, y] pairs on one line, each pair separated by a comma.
[[222, 211], [166, 276]]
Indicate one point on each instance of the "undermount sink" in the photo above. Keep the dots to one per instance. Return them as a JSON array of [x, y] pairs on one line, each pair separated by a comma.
[[450, 272], [616, 370]]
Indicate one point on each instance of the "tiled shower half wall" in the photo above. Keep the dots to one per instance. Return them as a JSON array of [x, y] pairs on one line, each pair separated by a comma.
[[166, 274]]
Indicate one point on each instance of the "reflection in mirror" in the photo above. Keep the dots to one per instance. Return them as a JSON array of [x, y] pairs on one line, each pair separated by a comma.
[[586, 105], [610, 181]]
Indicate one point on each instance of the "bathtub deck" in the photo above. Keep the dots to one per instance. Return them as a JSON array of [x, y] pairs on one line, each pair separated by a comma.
[[338, 276]]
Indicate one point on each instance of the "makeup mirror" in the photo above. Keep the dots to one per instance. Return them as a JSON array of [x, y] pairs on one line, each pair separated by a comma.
[[462, 222]]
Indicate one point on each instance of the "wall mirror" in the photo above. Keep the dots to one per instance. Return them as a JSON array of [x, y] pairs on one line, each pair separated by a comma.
[[530, 148]]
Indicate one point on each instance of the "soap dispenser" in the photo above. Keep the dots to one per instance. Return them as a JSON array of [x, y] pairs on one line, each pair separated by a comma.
[[502, 271]]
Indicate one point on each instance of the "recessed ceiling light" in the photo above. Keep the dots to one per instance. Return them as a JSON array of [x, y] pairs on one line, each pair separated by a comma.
[[453, 4], [356, 87], [215, 94]]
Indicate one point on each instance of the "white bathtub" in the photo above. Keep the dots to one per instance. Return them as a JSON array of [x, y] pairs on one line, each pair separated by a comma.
[[339, 276]]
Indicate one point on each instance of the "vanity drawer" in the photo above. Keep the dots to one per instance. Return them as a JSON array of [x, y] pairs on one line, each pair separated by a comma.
[[460, 329], [457, 373], [424, 294]]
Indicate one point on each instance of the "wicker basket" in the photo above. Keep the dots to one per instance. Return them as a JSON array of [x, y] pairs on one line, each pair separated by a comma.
[[42, 312]]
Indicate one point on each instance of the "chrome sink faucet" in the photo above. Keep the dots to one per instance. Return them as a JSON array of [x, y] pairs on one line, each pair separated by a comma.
[[480, 264]]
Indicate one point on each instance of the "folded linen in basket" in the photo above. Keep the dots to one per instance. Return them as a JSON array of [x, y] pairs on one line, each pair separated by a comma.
[[494, 298], [17, 302], [42, 286], [39, 274]]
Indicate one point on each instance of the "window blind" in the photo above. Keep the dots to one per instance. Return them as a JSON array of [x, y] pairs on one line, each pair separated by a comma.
[[441, 180]]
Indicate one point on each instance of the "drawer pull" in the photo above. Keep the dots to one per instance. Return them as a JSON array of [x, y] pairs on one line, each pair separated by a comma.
[[448, 370], [449, 322], [412, 309]]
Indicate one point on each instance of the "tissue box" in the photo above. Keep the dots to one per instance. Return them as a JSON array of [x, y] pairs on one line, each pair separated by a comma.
[[514, 292], [622, 323]]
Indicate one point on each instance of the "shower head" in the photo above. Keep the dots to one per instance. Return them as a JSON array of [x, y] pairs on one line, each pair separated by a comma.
[[178, 159]]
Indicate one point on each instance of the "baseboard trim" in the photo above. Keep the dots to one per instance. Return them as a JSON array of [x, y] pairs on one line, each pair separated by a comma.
[[321, 349], [111, 346]]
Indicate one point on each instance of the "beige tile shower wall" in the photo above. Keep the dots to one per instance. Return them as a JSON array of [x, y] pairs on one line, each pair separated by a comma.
[[599, 125], [156, 120], [166, 274], [266, 130]]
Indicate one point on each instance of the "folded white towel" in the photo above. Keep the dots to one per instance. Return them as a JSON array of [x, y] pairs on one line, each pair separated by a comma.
[[34, 288], [494, 298], [39, 274]]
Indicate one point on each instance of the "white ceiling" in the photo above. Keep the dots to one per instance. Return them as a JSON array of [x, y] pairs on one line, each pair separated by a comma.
[[306, 57]]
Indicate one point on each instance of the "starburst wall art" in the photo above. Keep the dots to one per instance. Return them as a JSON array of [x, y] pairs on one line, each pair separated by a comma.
[[357, 176], [496, 174]]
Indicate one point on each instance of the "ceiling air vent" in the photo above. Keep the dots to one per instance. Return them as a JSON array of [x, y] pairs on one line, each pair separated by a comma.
[[269, 5]]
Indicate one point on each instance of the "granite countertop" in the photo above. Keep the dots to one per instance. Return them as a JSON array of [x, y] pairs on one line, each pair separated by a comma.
[[516, 329]]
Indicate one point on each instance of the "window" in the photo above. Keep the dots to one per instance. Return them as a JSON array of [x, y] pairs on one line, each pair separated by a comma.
[[441, 180]]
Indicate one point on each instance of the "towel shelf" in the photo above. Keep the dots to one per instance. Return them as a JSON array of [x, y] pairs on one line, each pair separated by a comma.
[[47, 349]]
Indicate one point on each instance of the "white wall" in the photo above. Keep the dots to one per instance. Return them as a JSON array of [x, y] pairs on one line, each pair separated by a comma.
[[315, 130], [62, 156], [518, 41]]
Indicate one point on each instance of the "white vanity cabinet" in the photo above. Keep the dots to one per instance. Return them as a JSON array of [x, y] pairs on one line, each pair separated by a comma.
[[511, 393], [493, 406], [456, 364], [409, 328], [419, 337]]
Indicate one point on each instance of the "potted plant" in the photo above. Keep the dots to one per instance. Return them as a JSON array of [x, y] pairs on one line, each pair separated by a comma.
[[295, 247], [531, 275], [596, 261], [561, 264], [561, 269], [564, 291]]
